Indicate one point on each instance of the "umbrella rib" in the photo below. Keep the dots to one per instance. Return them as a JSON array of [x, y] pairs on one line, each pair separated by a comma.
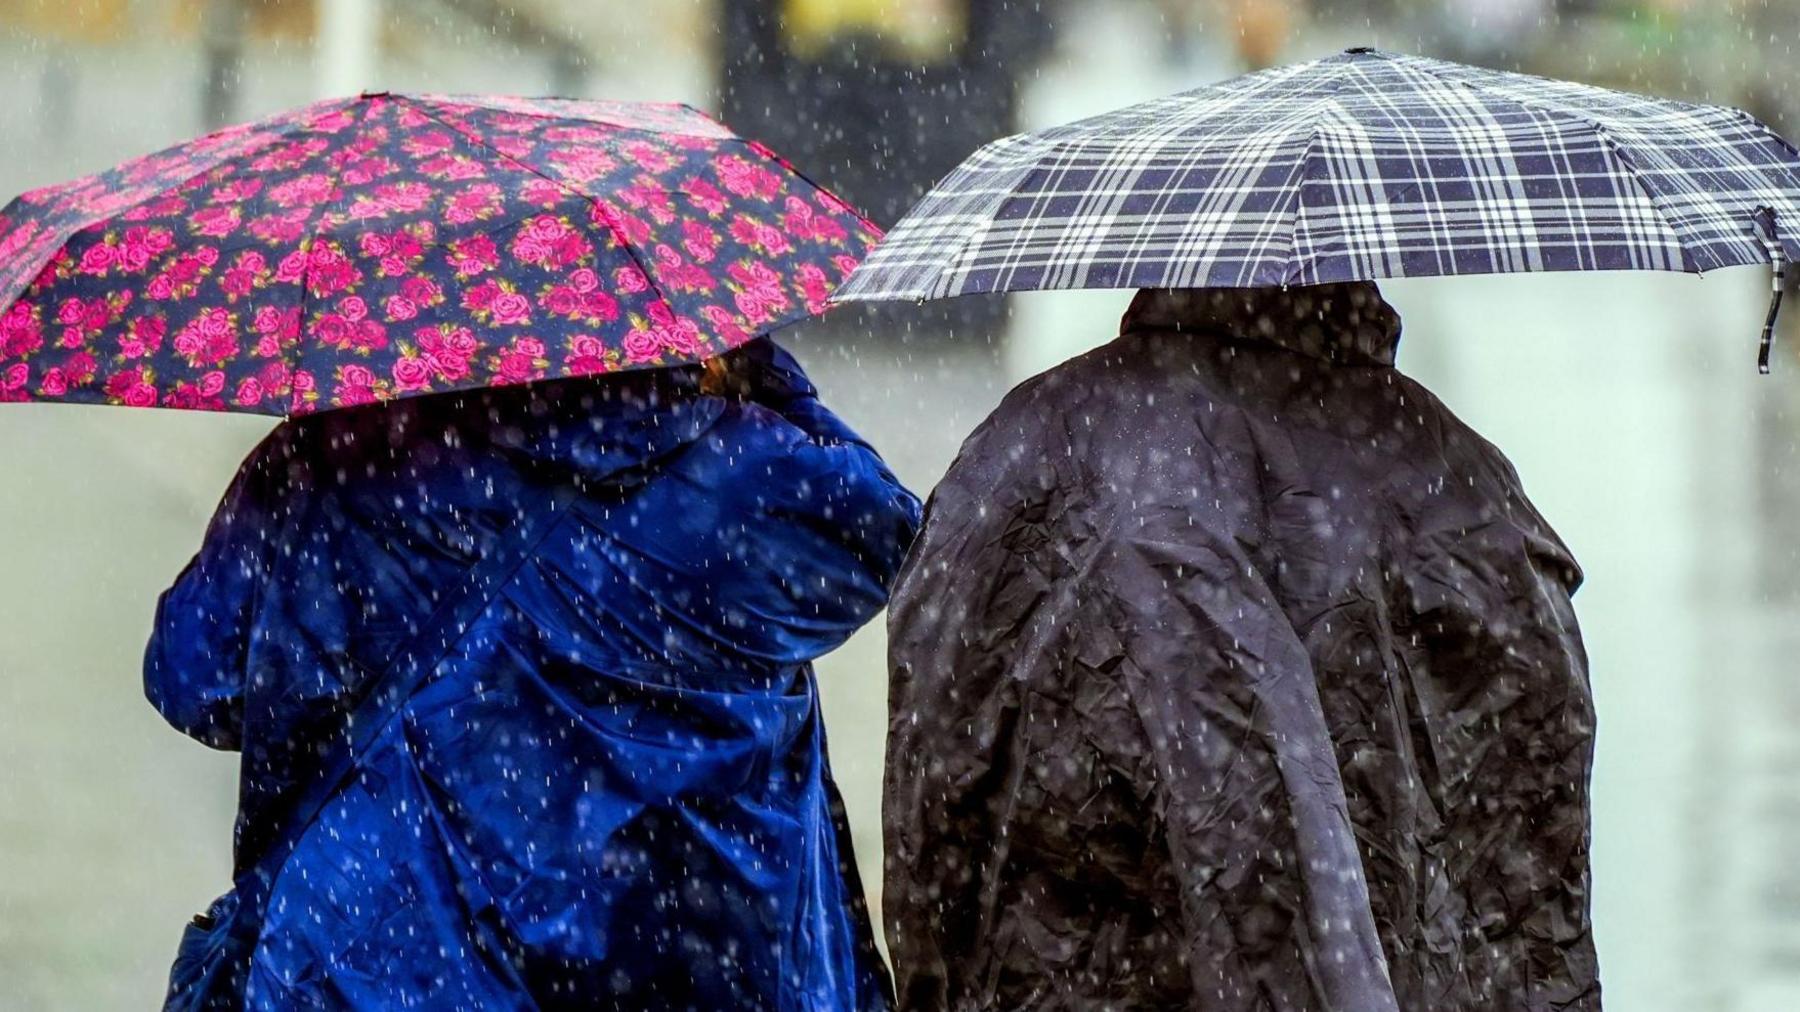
[[1619, 154], [979, 225], [1290, 273], [1763, 128], [774, 156], [594, 202], [1606, 140], [285, 132], [366, 102], [1297, 210]]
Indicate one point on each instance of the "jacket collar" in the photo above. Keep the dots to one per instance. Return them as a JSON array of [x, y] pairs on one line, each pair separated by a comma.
[[1346, 323]]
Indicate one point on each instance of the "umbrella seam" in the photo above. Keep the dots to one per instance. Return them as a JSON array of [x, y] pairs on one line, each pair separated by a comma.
[[284, 133], [1767, 131], [941, 286], [593, 201], [775, 156], [1298, 207], [294, 393], [1619, 155], [1605, 138], [280, 133]]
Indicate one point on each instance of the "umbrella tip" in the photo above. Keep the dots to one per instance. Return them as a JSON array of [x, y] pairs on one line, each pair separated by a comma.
[[374, 94], [1359, 50]]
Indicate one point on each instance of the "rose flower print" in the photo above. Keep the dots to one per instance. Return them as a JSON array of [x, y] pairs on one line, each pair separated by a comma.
[[361, 249]]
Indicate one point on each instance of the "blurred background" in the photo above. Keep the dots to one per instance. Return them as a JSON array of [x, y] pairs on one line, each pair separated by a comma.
[[1630, 403]]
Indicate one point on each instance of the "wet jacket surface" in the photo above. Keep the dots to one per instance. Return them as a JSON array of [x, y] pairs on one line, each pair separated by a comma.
[[613, 792], [1231, 672]]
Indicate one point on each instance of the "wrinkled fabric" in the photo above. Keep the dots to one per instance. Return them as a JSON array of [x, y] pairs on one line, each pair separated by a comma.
[[613, 792], [1232, 672]]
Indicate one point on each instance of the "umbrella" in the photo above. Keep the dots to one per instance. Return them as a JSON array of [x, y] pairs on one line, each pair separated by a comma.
[[1361, 166], [357, 250]]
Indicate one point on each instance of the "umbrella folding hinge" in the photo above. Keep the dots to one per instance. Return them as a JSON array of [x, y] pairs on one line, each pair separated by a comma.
[[1765, 225]]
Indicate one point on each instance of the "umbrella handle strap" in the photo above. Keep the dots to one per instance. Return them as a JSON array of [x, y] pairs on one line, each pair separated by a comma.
[[1765, 222], [1768, 332]]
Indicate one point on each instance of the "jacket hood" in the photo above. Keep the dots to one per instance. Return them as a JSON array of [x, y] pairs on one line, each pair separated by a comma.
[[1347, 323], [598, 430], [605, 432]]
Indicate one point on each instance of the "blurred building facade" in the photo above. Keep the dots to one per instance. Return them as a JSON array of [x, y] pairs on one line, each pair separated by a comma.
[[1672, 469]]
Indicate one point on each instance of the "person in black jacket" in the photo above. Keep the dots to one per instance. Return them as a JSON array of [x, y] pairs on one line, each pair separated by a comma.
[[1232, 672]]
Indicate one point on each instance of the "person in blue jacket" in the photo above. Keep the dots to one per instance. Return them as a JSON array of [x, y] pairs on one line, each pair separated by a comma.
[[521, 682]]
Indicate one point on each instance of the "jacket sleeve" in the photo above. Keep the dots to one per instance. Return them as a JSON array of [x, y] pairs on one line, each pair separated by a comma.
[[843, 523], [194, 666], [780, 384], [842, 519]]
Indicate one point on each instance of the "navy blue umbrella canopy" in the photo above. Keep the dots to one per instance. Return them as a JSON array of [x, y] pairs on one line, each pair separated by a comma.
[[1361, 166]]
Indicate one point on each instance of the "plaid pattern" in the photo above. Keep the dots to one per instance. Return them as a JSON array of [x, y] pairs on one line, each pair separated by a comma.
[[1360, 166]]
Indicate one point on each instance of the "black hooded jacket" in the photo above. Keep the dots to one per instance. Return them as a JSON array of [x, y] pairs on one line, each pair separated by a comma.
[[1232, 672]]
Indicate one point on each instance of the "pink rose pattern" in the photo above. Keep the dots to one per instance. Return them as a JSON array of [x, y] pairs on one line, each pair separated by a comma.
[[358, 250]]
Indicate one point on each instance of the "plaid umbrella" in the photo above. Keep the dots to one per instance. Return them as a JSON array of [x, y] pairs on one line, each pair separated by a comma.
[[384, 246], [1360, 166]]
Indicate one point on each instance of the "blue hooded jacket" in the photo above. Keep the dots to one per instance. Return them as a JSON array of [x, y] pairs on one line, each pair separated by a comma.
[[612, 791]]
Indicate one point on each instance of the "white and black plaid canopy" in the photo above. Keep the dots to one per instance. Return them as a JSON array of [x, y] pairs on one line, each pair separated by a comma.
[[1360, 166]]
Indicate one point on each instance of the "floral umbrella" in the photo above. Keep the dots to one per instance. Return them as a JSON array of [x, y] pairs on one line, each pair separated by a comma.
[[358, 250]]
